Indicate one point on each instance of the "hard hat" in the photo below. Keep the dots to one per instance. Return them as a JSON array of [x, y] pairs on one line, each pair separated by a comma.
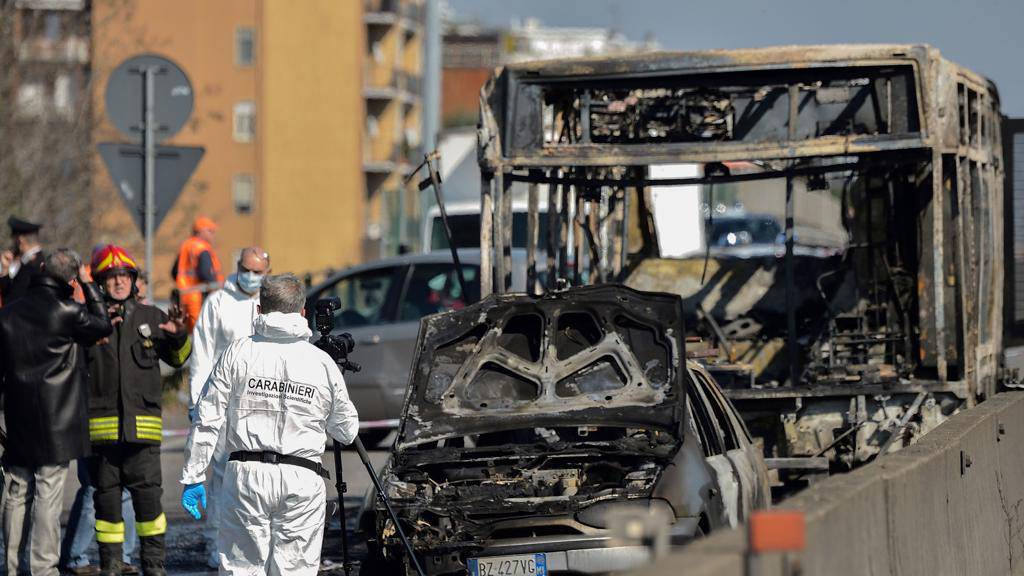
[[203, 223], [111, 258]]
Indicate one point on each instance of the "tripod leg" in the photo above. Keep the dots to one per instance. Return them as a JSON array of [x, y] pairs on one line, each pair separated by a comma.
[[342, 487], [387, 504]]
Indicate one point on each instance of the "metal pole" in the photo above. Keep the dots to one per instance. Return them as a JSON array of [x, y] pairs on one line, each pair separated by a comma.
[[498, 232], [431, 112], [150, 144], [532, 222], [577, 236], [794, 358], [624, 250], [553, 230], [563, 235], [486, 237], [435, 181], [506, 232], [794, 368]]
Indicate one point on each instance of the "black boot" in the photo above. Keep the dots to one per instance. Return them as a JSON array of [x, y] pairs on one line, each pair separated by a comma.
[[152, 555], [110, 559]]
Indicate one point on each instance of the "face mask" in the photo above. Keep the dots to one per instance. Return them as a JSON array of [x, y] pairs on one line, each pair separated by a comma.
[[250, 281]]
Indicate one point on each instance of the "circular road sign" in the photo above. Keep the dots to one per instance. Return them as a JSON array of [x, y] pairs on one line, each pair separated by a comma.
[[126, 97]]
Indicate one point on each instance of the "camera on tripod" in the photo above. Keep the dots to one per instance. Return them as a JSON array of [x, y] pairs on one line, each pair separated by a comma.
[[337, 347]]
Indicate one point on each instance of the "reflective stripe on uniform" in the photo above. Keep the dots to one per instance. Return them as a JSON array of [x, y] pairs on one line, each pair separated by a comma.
[[152, 527], [149, 427], [109, 532], [179, 356], [103, 428]]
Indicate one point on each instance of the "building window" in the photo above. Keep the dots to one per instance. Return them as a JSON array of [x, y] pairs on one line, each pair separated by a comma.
[[372, 126], [244, 46], [245, 121], [243, 192], [51, 26], [64, 95], [31, 100]]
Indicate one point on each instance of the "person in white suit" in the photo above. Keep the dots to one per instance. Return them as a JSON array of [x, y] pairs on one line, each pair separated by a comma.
[[274, 396]]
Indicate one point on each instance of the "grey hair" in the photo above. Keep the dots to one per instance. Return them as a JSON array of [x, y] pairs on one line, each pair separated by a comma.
[[62, 264], [282, 293]]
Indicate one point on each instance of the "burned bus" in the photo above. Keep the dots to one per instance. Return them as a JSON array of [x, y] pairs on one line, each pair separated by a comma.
[[832, 217]]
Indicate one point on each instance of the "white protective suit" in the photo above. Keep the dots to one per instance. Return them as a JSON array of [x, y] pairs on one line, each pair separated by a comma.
[[271, 392], [226, 316]]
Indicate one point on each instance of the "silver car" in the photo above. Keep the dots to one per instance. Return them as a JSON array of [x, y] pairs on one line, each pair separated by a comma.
[[382, 303]]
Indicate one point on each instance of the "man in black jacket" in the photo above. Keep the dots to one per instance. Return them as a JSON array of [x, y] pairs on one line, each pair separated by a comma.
[[125, 423], [43, 381], [23, 261]]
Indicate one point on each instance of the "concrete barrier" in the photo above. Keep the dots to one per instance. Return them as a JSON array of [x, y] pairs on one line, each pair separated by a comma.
[[953, 503]]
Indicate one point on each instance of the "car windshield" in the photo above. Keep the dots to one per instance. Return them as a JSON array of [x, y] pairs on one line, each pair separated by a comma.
[[433, 288], [363, 297]]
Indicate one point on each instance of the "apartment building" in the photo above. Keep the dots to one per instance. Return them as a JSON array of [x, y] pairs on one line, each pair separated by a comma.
[[392, 146], [275, 109]]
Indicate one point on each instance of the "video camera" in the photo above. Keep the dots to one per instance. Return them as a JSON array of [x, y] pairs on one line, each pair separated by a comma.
[[337, 347]]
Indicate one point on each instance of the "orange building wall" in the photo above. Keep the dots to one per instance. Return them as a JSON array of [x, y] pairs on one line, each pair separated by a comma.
[[311, 152]]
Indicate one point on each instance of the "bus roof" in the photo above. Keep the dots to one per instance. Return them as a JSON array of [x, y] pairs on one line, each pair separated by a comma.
[[848, 100]]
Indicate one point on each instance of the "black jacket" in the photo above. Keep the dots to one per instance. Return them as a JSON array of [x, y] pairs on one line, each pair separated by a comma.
[[42, 336], [13, 288], [124, 376]]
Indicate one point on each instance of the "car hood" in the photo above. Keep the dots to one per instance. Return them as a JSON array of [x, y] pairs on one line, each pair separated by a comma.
[[591, 356]]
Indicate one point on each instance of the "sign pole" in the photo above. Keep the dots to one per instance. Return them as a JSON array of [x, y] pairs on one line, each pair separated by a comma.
[[150, 202]]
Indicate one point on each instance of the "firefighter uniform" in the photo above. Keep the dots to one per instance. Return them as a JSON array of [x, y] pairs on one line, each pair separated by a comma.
[[125, 424]]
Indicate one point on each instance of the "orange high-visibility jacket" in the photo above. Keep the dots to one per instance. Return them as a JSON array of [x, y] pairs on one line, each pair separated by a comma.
[[187, 280]]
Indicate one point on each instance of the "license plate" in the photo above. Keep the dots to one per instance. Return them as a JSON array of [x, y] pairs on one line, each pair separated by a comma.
[[518, 565]]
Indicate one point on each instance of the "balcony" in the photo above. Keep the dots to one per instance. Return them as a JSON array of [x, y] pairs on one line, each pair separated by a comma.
[[77, 5], [381, 12], [402, 157], [390, 12], [379, 6], [399, 85], [72, 50]]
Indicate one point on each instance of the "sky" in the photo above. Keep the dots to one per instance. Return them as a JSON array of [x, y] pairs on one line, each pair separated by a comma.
[[984, 35]]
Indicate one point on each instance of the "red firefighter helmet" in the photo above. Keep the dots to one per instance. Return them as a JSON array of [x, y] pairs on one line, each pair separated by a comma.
[[109, 258]]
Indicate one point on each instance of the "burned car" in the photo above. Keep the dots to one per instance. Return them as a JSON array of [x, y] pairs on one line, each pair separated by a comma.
[[533, 426]]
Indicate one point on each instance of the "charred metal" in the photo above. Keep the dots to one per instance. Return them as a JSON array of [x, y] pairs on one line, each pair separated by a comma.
[[841, 349], [532, 421]]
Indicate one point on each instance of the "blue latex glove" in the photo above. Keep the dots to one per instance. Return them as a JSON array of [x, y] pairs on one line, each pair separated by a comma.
[[192, 497]]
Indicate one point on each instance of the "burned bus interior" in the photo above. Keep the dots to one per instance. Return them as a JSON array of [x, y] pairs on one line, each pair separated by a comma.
[[830, 216]]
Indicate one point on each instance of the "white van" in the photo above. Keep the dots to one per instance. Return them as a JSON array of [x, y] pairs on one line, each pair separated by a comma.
[[464, 219]]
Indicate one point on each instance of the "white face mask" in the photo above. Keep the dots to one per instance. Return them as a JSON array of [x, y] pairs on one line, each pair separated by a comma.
[[250, 281]]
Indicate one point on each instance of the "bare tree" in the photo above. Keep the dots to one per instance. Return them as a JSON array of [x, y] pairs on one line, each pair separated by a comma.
[[46, 120]]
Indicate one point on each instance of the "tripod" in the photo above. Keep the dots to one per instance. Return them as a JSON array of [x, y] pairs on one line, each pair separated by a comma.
[[340, 355]]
